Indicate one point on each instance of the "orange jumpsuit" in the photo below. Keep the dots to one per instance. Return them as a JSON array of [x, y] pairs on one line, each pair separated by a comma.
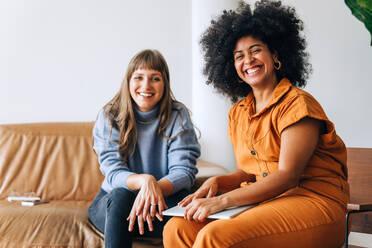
[[310, 215]]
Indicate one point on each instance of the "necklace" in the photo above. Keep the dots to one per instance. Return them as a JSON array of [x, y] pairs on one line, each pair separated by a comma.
[[146, 122]]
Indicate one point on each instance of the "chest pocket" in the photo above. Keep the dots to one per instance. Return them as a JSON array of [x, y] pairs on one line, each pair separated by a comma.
[[264, 139]]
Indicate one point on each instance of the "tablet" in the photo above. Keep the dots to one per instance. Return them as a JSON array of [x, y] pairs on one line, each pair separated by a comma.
[[225, 214]]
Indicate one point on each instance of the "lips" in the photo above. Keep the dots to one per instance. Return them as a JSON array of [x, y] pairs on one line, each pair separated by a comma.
[[252, 71], [145, 94]]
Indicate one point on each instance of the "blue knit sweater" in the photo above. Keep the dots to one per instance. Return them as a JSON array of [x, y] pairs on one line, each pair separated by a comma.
[[173, 159]]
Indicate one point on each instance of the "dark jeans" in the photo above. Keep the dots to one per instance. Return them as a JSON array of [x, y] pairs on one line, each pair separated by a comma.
[[109, 212]]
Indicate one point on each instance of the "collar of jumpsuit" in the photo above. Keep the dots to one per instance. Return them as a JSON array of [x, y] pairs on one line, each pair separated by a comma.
[[280, 90]]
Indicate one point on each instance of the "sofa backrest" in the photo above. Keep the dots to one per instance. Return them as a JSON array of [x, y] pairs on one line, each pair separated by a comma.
[[54, 160]]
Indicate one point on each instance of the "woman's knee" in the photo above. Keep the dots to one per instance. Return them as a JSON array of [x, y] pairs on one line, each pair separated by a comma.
[[212, 235], [179, 232], [171, 228], [174, 232]]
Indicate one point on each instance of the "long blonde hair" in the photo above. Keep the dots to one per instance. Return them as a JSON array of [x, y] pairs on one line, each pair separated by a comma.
[[119, 110]]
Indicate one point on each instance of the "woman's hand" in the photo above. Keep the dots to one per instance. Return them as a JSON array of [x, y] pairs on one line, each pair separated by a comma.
[[141, 223], [208, 189], [200, 209], [148, 204]]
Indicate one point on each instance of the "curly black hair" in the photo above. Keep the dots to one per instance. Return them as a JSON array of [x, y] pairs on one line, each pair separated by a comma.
[[274, 24]]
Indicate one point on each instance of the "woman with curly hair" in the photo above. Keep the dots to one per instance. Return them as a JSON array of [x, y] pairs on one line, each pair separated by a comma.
[[291, 163]]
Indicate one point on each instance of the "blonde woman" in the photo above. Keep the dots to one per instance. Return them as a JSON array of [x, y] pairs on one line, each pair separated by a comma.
[[147, 150]]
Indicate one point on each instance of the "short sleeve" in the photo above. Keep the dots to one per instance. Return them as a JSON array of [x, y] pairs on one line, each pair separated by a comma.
[[297, 108]]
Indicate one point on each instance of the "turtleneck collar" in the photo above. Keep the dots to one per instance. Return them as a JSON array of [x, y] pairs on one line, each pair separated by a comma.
[[146, 116]]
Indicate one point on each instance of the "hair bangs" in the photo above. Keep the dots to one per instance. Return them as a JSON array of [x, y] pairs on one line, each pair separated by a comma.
[[148, 60]]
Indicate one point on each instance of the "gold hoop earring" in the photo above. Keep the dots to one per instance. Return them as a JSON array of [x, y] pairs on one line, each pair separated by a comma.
[[277, 65]]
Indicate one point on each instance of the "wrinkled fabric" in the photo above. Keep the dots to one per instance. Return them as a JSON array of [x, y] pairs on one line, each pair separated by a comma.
[[55, 224], [300, 219], [55, 161]]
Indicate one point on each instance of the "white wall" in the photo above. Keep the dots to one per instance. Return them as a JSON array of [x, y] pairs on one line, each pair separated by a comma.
[[63, 60], [341, 55], [210, 109]]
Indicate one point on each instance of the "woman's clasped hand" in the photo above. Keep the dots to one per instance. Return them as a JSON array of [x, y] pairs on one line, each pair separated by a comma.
[[149, 204]]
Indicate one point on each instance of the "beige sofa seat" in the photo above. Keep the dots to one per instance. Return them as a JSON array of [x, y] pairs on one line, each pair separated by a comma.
[[56, 162], [56, 224]]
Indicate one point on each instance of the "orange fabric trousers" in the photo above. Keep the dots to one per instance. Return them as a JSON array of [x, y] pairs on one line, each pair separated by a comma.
[[299, 218]]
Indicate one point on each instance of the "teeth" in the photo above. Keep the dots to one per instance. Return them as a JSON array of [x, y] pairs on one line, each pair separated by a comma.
[[144, 94], [250, 71]]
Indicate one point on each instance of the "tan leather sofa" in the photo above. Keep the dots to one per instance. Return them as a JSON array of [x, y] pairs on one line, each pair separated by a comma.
[[56, 162]]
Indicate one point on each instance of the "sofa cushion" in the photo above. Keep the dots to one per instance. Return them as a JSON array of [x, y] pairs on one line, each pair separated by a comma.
[[55, 224], [58, 224], [54, 160]]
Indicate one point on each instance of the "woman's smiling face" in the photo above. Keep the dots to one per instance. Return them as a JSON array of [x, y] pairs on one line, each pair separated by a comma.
[[254, 62], [146, 88]]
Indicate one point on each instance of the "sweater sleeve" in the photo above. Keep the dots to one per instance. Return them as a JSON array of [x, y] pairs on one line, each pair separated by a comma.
[[106, 146], [183, 151]]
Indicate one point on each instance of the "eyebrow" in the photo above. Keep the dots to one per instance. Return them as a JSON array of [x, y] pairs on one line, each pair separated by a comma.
[[252, 46]]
